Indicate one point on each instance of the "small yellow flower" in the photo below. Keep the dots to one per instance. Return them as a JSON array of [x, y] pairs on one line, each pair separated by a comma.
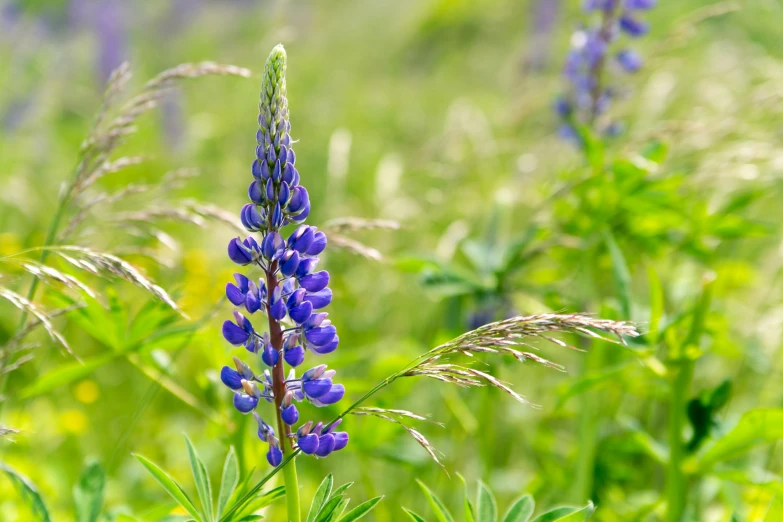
[[73, 421], [86, 392]]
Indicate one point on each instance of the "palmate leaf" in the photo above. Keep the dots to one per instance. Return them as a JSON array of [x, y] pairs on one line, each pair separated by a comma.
[[228, 481], [201, 477], [521, 510], [261, 501], [28, 492], [171, 487], [441, 512]]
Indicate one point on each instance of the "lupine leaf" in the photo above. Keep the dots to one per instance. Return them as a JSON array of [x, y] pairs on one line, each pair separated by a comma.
[[261, 501], [171, 486], [555, 514], [328, 508], [754, 428], [579, 515], [229, 480], [320, 497], [414, 516], [201, 477], [341, 506], [521, 510], [487, 507], [29, 493], [469, 516], [441, 513], [88, 493], [341, 489], [621, 273], [361, 510]]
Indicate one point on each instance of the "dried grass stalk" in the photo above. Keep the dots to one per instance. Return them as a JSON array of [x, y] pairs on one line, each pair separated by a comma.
[[28, 307]]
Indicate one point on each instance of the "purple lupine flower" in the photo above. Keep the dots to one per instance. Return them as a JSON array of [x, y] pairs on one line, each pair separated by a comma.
[[289, 290], [588, 94]]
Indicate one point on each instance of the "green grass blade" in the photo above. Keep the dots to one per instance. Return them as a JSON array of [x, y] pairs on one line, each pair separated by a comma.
[[29, 493], [201, 477], [521, 510], [487, 507], [413, 516], [320, 497], [441, 513], [171, 486], [228, 481], [361, 510]]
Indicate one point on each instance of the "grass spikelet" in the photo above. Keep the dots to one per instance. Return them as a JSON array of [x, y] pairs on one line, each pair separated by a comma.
[[28, 307]]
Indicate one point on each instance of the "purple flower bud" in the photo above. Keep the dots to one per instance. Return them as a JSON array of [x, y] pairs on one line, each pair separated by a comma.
[[250, 218], [640, 4], [325, 445], [318, 245], [270, 190], [632, 26], [294, 356], [327, 348], [277, 216], [316, 320], [256, 192], [265, 431], [274, 456], [253, 299], [270, 154], [629, 60], [289, 263], [291, 157], [245, 403], [239, 253], [278, 310], [288, 174], [256, 169], [272, 245], [315, 282], [276, 174], [290, 415], [231, 378], [299, 200], [320, 299], [284, 194]]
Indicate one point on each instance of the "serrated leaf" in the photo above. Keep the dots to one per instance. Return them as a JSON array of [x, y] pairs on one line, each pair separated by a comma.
[[201, 477], [361, 510], [171, 486], [486, 506], [88, 493], [413, 516], [28, 492], [441, 512], [321, 494], [228, 481], [521, 510]]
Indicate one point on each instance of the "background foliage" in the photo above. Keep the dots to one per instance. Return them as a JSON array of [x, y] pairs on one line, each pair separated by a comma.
[[436, 114]]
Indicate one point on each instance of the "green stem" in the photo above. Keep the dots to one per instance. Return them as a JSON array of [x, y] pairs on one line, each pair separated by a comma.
[[292, 492], [676, 484]]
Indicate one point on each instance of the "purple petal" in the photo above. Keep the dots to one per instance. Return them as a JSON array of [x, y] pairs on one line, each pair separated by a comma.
[[234, 294], [274, 456], [319, 299], [327, 348], [315, 282], [325, 445], [290, 415], [238, 253], [295, 356], [317, 388], [321, 336], [308, 444], [318, 245], [289, 263], [234, 334], [300, 314], [244, 403], [340, 440], [336, 393], [231, 378], [278, 310]]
